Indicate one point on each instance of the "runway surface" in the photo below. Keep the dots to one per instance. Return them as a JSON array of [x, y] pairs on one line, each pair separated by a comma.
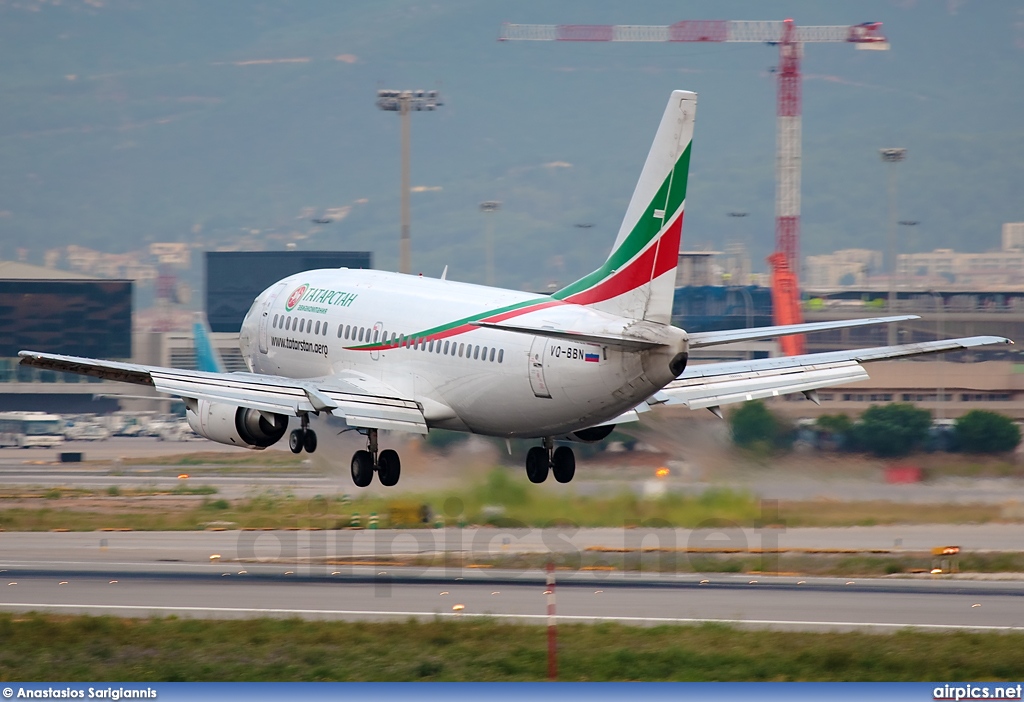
[[144, 574]]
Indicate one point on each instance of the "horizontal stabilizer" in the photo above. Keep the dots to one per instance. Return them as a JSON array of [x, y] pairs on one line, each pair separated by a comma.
[[729, 336], [651, 335]]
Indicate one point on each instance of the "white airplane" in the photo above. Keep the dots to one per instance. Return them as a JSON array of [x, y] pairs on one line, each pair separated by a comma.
[[406, 353]]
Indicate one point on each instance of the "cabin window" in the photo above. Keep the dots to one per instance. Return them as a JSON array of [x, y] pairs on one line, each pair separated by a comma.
[[360, 333], [461, 347], [376, 335], [317, 332], [275, 321], [501, 355], [341, 330], [476, 353], [446, 344], [492, 355], [393, 337], [431, 349], [483, 355]]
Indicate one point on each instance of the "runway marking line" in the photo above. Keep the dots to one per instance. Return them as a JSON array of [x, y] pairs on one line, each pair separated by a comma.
[[525, 617]]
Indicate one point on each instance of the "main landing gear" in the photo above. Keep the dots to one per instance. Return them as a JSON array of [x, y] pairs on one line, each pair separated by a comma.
[[304, 438], [386, 463], [560, 461]]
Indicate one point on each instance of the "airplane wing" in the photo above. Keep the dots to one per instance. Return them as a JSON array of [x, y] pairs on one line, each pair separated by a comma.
[[711, 385], [358, 399]]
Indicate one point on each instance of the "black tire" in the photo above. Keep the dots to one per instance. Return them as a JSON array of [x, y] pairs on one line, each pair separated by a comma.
[[362, 468], [296, 440], [309, 442], [563, 464], [389, 468], [537, 464]]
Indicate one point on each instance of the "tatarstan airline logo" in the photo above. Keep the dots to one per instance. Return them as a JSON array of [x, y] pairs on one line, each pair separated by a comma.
[[295, 297]]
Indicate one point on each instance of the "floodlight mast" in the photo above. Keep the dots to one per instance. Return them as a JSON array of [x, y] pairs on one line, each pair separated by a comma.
[[892, 156], [404, 102]]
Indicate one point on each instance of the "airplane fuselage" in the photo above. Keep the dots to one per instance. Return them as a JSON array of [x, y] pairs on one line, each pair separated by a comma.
[[418, 336]]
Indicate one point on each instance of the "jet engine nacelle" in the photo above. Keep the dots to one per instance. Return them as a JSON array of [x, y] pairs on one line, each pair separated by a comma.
[[235, 426], [589, 435]]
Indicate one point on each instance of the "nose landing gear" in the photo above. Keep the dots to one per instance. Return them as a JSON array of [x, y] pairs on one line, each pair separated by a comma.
[[386, 463], [304, 438], [561, 462]]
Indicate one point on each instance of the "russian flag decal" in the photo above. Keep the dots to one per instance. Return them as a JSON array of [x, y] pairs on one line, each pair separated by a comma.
[[591, 358]]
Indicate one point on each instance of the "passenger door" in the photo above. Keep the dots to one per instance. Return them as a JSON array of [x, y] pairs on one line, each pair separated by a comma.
[[537, 380]]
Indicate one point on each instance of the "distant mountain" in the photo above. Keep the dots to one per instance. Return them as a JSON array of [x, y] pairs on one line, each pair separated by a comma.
[[237, 123]]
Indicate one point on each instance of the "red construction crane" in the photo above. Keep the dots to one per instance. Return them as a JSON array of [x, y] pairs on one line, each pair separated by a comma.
[[790, 39]]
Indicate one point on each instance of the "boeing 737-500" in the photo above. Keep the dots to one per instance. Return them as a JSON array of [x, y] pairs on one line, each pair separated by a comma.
[[407, 353]]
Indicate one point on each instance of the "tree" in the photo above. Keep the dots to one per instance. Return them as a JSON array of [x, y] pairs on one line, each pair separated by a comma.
[[754, 426], [981, 431], [892, 430]]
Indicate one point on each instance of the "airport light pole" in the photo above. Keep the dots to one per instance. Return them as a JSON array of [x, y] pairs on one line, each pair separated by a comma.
[[940, 304], [405, 102], [490, 209], [892, 156]]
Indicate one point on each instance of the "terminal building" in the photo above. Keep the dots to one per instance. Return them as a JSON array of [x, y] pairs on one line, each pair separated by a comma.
[[42, 309], [62, 312]]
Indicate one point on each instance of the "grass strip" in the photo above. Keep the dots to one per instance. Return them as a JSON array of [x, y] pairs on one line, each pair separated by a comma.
[[503, 498], [44, 648]]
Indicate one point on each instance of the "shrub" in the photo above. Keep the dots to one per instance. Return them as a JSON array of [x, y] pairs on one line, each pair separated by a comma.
[[753, 426], [835, 432], [896, 429], [981, 431]]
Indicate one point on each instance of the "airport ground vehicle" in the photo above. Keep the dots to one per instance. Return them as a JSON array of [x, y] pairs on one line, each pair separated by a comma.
[[31, 429]]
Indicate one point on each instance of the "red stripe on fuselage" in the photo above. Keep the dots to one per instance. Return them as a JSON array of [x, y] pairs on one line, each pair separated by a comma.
[[659, 258]]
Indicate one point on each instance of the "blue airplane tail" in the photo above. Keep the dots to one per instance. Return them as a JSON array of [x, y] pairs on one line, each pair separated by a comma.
[[207, 358]]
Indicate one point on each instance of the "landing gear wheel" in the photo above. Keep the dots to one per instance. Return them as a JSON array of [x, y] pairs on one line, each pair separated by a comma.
[[362, 468], [563, 464], [309, 442], [389, 468], [296, 440], [537, 464]]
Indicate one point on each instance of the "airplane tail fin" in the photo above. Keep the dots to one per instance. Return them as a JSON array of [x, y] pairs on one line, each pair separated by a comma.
[[638, 279], [207, 358]]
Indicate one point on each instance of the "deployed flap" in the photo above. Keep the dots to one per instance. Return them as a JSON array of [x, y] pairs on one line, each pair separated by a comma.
[[361, 401], [730, 336], [697, 393]]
